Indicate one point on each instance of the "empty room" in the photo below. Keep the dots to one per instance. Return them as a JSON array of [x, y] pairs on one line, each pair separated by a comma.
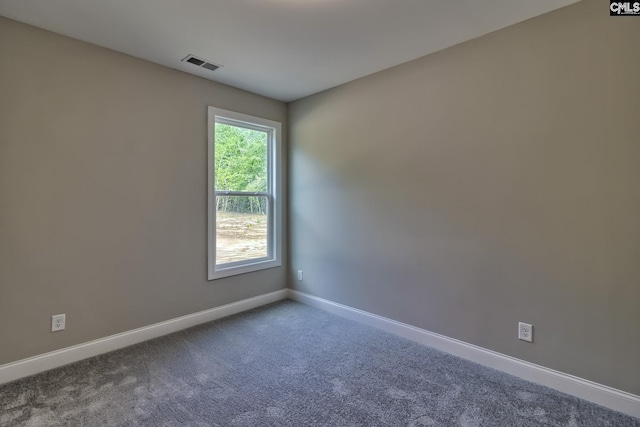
[[319, 212]]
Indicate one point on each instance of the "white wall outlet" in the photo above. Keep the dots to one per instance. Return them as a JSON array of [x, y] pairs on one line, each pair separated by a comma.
[[300, 275], [58, 322], [525, 332]]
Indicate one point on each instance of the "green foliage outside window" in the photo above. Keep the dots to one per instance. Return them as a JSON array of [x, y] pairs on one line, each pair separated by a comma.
[[240, 165]]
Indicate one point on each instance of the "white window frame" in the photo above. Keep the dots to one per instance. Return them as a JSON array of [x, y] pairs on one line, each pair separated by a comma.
[[274, 193]]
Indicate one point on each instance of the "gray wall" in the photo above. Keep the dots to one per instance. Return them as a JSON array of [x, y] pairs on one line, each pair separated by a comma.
[[103, 192], [494, 182]]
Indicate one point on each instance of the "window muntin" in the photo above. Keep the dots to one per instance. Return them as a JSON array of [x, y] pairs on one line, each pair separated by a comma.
[[244, 203]]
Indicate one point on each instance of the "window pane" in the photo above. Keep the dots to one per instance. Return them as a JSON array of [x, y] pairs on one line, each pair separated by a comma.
[[241, 228], [240, 159]]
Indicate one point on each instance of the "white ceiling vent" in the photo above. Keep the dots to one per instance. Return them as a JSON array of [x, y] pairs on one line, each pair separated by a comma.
[[201, 62]]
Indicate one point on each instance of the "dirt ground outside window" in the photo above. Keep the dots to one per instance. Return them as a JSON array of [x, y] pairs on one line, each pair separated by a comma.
[[240, 237]]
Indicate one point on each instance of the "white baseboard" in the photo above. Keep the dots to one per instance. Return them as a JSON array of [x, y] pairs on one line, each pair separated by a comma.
[[609, 397], [43, 362]]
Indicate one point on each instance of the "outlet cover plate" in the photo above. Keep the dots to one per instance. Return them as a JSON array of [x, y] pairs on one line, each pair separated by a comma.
[[525, 332], [58, 322]]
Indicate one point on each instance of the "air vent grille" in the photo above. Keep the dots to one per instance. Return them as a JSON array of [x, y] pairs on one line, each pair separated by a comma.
[[201, 62], [210, 66], [195, 61]]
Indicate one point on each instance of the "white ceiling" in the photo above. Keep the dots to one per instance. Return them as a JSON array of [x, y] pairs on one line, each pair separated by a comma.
[[284, 49]]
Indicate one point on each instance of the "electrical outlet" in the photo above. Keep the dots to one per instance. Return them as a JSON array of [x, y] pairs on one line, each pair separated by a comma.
[[58, 322], [300, 275], [525, 332]]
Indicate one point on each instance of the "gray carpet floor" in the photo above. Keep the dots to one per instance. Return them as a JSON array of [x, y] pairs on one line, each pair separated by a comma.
[[287, 364]]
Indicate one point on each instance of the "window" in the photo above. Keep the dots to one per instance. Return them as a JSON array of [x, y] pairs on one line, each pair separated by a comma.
[[244, 193]]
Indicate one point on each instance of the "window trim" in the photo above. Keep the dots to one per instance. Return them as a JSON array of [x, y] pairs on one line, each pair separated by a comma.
[[274, 229]]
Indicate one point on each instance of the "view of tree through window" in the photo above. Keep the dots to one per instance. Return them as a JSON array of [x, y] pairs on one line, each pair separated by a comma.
[[242, 199]]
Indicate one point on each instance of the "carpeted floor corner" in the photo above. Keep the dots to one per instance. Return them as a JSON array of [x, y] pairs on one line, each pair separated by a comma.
[[288, 364]]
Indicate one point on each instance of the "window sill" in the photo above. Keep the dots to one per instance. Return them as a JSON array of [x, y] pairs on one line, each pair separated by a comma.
[[249, 267]]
